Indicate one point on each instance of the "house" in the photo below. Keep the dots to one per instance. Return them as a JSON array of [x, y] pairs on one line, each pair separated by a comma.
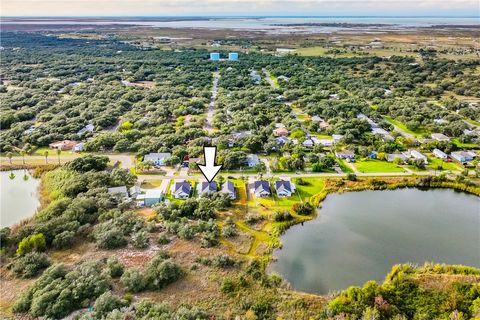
[[215, 56], [122, 191], [88, 128], [261, 188], [440, 154], [379, 131], [279, 125], [79, 147], [252, 160], [233, 56], [135, 191], [334, 97], [152, 197], [463, 156], [392, 156], [229, 188], [418, 156], [284, 78], [317, 119], [181, 190], [241, 135], [440, 137], [62, 145], [344, 154], [206, 187], [325, 142], [282, 140], [280, 132], [337, 138], [308, 143], [158, 159], [284, 188]]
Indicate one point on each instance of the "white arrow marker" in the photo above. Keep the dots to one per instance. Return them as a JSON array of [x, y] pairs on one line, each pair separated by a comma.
[[209, 170]]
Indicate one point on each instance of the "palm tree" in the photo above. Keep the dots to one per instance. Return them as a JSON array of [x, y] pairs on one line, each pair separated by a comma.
[[58, 155], [9, 156], [22, 152], [46, 156]]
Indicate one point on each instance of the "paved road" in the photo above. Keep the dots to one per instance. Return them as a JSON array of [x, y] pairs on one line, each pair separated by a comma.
[[269, 79], [211, 108]]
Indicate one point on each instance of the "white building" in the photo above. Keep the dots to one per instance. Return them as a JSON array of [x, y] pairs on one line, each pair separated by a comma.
[[440, 154]]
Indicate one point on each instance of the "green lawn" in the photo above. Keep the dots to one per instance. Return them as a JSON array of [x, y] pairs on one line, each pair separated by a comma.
[[459, 144], [313, 186], [343, 165], [435, 162], [403, 127], [53, 152], [373, 165]]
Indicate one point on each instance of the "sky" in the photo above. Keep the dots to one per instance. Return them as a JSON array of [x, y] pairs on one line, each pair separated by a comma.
[[240, 8]]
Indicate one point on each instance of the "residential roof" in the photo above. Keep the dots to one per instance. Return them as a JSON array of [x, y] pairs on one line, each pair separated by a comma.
[[283, 185], [440, 153], [157, 156], [182, 186], [439, 136], [121, 189], [208, 186], [228, 187], [252, 160], [261, 185], [153, 194]]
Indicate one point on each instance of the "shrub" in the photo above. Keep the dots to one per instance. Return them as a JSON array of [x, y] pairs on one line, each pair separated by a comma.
[[162, 271], [252, 218], [115, 267], [303, 209], [223, 261], [133, 280], [282, 216], [106, 303], [228, 286], [163, 239], [64, 240], [229, 231], [35, 242], [59, 291], [109, 239], [30, 264], [141, 239], [351, 176]]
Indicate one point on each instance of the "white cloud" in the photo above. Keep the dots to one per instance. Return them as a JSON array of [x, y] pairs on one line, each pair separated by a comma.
[[238, 7]]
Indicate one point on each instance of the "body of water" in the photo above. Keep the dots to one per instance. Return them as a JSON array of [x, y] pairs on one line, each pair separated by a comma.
[[266, 24], [359, 236], [18, 197]]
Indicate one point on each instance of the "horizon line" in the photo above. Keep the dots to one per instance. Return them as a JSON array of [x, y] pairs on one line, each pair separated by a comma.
[[247, 16]]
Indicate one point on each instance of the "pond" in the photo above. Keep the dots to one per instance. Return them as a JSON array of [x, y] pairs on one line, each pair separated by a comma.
[[18, 197], [358, 236]]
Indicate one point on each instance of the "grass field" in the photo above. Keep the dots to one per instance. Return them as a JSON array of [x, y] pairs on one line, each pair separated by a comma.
[[403, 127], [434, 164], [343, 165], [53, 152], [373, 165], [459, 144]]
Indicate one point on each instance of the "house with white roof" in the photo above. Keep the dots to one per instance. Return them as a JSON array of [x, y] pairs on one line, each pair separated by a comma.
[[440, 154], [88, 128], [152, 197], [308, 142], [417, 155], [392, 156], [158, 159], [252, 160], [337, 138], [121, 191], [463, 156], [440, 137]]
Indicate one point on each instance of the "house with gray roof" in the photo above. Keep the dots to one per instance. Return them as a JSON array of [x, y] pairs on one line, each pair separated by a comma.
[[284, 188], [181, 190], [229, 188], [344, 154], [261, 188], [204, 188]]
